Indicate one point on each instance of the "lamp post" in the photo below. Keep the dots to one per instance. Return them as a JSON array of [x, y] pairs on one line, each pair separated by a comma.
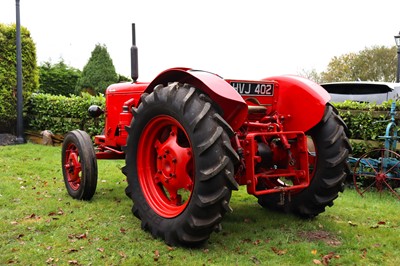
[[397, 39], [20, 122]]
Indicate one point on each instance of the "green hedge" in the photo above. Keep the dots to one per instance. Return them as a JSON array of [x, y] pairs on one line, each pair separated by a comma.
[[366, 122], [61, 114]]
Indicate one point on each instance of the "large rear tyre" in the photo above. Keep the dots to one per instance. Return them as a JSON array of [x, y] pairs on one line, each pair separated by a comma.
[[179, 165], [328, 170], [79, 165]]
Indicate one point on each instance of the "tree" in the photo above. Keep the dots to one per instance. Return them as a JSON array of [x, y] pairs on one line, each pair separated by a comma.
[[377, 63], [8, 73], [58, 79], [98, 73], [311, 75], [122, 78]]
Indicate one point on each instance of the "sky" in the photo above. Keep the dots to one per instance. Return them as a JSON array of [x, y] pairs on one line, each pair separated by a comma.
[[250, 39]]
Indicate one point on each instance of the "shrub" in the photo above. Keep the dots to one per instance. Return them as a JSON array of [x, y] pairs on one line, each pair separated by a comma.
[[8, 76], [58, 79]]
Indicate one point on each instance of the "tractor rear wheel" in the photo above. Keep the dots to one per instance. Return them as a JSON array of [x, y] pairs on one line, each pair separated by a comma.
[[328, 170], [179, 165], [79, 165]]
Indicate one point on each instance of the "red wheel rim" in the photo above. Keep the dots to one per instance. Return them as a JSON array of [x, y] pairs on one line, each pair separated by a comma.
[[72, 166], [380, 174], [165, 166]]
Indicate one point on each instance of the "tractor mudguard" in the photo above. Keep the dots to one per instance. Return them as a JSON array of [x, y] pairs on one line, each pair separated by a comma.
[[301, 101], [222, 93]]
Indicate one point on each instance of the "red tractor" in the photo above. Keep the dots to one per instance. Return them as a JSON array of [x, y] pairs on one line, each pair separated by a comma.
[[191, 137]]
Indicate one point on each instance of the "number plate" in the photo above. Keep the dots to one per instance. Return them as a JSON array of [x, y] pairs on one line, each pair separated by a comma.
[[253, 88]]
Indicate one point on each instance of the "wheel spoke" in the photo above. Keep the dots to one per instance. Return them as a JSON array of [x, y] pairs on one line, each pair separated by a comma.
[[393, 167], [367, 188], [370, 165], [391, 189]]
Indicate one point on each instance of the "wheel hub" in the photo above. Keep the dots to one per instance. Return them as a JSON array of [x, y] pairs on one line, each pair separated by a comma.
[[73, 168], [166, 165], [172, 160], [380, 177]]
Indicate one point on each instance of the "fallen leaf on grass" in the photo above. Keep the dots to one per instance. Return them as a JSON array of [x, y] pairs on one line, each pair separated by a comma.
[[257, 242], [327, 258], [314, 251], [77, 236], [351, 223], [318, 262], [364, 253], [279, 252], [72, 250], [100, 249], [156, 255], [378, 224], [60, 211], [255, 260], [32, 216], [122, 254]]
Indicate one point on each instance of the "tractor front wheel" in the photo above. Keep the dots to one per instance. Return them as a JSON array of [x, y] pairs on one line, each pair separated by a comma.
[[79, 165], [179, 165]]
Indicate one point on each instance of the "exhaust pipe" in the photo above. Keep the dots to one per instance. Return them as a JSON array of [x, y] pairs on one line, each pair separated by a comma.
[[134, 56]]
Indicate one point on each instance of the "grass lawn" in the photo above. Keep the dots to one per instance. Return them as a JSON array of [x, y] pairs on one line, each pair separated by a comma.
[[40, 224]]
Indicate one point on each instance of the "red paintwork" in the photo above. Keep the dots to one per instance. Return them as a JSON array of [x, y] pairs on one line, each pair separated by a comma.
[[116, 120], [235, 109], [277, 121], [73, 166], [165, 167], [301, 101], [298, 172]]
